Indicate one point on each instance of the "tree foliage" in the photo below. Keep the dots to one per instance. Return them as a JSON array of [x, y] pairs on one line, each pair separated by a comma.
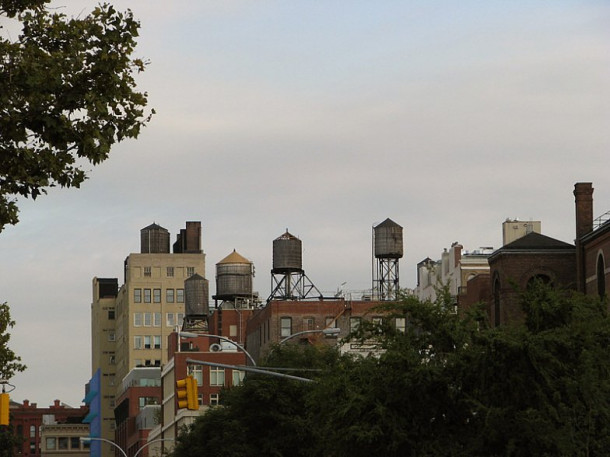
[[67, 94], [449, 385], [10, 363], [266, 416]]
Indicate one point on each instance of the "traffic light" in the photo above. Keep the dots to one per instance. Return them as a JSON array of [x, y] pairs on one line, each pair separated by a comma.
[[186, 391], [4, 411]]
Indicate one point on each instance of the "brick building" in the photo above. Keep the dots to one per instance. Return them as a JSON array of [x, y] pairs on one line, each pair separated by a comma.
[[583, 266], [135, 408], [29, 422], [282, 318], [514, 266], [592, 244]]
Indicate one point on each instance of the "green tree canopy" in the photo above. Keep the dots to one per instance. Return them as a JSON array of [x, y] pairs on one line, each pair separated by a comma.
[[10, 363], [449, 385], [67, 94]]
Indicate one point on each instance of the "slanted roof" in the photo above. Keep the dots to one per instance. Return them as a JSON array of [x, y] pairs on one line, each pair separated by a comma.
[[388, 223], [154, 226], [286, 236], [234, 257], [194, 277], [536, 241]]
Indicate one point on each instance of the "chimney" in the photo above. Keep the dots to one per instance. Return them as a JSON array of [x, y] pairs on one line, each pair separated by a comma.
[[457, 253], [583, 193]]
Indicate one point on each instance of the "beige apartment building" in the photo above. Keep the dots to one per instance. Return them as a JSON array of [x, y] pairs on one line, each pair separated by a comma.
[[130, 329]]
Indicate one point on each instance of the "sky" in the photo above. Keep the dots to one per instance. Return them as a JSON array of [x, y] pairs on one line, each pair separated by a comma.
[[323, 118]]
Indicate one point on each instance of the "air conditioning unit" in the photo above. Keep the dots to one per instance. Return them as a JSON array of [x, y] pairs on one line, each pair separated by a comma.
[[215, 347]]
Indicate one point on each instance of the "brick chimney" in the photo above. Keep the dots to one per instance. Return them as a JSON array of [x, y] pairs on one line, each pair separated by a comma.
[[583, 194]]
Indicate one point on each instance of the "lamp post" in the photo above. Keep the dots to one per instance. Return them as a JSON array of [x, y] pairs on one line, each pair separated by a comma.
[[222, 338], [330, 331], [90, 438]]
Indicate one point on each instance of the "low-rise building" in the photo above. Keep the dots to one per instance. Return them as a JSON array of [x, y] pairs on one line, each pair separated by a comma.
[[29, 424]]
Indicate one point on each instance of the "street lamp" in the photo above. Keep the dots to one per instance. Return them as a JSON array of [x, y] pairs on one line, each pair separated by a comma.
[[330, 331], [88, 439], [222, 338]]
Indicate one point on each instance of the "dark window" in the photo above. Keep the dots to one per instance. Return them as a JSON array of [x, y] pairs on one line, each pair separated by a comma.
[[539, 279], [601, 276], [111, 314], [496, 292]]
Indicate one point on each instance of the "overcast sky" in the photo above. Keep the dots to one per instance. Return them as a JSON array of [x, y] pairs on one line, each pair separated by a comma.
[[323, 118]]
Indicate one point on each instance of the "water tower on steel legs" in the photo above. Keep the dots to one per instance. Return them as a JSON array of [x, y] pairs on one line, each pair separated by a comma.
[[288, 279], [387, 250]]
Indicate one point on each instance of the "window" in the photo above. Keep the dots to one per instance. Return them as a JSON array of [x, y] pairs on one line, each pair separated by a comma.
[[170, 272], [330, 322], [110, 314], [169, 320], [197, 372], [285, 326], [137, 319], [214, 399], [137, 295], [32, 431], [147, 319], [190, 271], [157, 319], [137, 342], [147, 342], [146, 295], [496, 296], [180, 319], [51, 443], [157, 341], [143, 401], [169, 295], [232, 330], [147, 272], [354, 323], [62, 442], [74, 442], [179, 295], [111, 336], [401, 324], [601, 276], [157, 295], [217, 376], [238, 377], [308, 323], [377, 321], [112, 360]]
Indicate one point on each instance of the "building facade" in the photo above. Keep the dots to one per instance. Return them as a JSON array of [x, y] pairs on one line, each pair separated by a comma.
[[455, 268], [131, 323], [52, 430], [592, 244]]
